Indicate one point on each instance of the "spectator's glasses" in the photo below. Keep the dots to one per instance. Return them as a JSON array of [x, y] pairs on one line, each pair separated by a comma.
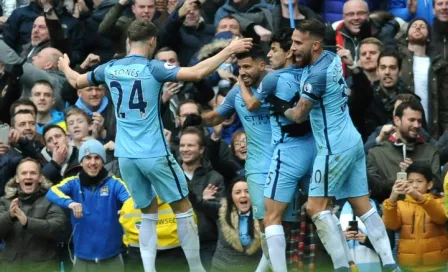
[[357, 14], [239, 143]]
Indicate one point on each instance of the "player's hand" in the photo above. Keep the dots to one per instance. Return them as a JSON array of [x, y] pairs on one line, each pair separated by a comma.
[[63, 63], [60, 154], [405, 164], [291, 114], [238, 45], [345, 55], [385, 133], [76, 208], [265, 35], [90, 61], [192, 120], [209, 192]]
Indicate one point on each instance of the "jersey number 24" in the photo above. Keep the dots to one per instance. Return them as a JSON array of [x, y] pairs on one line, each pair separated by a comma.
[[136, 92]]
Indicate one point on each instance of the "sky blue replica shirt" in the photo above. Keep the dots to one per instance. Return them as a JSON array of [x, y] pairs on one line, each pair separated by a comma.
[[257, 128]]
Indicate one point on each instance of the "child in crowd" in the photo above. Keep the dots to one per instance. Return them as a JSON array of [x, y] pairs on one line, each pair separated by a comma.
[[78, 126], [420, 219]]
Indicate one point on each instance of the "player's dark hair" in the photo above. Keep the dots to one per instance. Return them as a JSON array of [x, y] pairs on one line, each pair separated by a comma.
[[421, 168], [195, 131], [256, 53], [283, 37], [188, 101], [50, 127], [142, 30], [413, 105], [312, 26], [230, 206], [407, 97], [21, 102], [19, 113], [392, 54]]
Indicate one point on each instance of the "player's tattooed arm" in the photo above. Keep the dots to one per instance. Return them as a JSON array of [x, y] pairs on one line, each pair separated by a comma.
[[300, 112], [211, 118], [252, 103]]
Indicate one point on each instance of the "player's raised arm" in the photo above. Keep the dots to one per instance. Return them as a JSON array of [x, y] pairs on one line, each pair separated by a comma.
[[208, 66], [78, 81], [212, 118]]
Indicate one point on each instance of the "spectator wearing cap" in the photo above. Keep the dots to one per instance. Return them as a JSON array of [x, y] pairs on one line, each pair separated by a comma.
[[95, 197], [116, 22], [185, 31], [30, 225], [425, 73]]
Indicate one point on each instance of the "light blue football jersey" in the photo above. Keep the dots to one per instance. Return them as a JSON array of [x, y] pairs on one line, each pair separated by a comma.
[[257, 128], [135, 84], [284, 84], [323, 84]]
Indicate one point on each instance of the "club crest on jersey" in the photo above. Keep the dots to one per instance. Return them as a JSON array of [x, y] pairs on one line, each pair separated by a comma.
[[169, 66], [308, 88], [104, 191]]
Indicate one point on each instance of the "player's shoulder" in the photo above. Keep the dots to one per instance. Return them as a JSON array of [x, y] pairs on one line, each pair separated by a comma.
[[160, 64], [325, 61]]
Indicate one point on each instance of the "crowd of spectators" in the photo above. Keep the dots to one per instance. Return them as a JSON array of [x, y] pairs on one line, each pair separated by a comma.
[[59, 151]]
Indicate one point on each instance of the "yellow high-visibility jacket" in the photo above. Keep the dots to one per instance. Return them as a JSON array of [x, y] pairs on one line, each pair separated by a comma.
[[130, 219]]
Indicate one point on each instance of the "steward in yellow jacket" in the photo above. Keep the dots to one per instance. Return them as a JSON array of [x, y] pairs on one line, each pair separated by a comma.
[[130, 219]]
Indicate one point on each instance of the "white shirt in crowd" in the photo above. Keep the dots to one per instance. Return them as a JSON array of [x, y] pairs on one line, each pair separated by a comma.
[[421, 71]]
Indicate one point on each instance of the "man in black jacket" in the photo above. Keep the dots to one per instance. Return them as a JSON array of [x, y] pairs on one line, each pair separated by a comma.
[[200, 176], [30, 225], [22, 144], [59, 159]]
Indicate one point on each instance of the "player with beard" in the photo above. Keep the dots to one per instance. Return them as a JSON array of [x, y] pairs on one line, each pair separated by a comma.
[[339, 169], [279, 90], [256, 125]]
